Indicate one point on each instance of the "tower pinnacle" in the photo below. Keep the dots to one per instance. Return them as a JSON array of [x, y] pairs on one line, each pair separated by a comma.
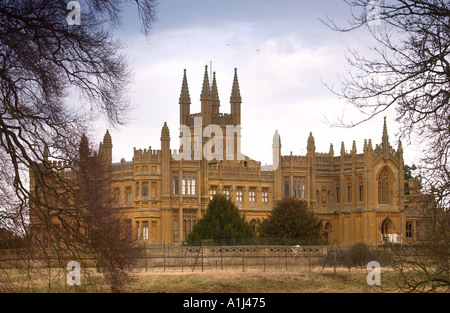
[[215, 95], [235, 92], [206, 90], [385, 137], [184, 96]]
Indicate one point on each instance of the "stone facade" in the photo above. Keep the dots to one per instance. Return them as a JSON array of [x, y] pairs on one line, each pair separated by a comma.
[[162, 193]]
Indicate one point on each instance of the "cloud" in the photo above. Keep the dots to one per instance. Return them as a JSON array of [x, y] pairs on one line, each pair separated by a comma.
[[282, 61]]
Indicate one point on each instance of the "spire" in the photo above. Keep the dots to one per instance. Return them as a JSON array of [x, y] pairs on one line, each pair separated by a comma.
[[235, 92], [354, 147], [206, 90], [215, 95], [331, 150], [342, 148], [385, 141], [385, 134], [184, 96]]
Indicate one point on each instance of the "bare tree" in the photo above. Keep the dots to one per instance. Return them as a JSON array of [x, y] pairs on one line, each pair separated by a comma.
[[45, 60], [409, 70]]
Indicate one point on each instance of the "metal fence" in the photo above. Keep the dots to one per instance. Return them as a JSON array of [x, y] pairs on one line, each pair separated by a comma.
[[167, 257]]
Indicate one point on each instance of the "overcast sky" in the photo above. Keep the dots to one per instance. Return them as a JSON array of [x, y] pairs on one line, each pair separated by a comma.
[[284, 54]]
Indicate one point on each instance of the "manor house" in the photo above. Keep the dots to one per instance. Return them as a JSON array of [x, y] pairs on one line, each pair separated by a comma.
[[163, 193]]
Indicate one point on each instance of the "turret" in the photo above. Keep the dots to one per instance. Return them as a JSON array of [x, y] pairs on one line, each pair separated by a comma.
[[165, 159], [276, 153], [311, 143], [45, 154], [106, 149], [83, 153], [311, 157]]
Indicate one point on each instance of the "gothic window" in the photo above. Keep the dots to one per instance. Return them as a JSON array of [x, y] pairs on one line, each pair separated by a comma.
[[408, 229], [226, 192], [349, 191], [264, 194], [128, 194], [138, 230], [145, 231], [286, 187], [188, 222], [303, 190], [296, 188], [252, 195], [175, 185], [188, 185], [386, 228], [175, 226], [360, 191], [212, 193], [239, 195], [383, 187], [116, 196], [338, 193], [145, 190]]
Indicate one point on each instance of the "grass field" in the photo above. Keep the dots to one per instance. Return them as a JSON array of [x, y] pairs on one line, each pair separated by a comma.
[[222, 281], [256, 281]]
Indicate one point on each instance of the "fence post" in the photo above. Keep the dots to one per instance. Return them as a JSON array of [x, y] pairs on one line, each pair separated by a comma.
[[264, 254], [221, 254], [243, 257], [201, 249], [310, 255], [146, 257], [285, 254]]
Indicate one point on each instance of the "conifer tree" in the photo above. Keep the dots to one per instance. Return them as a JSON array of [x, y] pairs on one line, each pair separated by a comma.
[[222, 222], [290, 219]]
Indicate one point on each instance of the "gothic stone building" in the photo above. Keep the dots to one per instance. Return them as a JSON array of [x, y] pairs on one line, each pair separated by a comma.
[[162, 193]]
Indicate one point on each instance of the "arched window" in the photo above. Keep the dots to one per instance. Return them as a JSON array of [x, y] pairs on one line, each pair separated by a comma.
[[183, 188], [193, 186], [188, 191], [349, 190], [383, 187], [286, 187], [386, 229], [175, 185]]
